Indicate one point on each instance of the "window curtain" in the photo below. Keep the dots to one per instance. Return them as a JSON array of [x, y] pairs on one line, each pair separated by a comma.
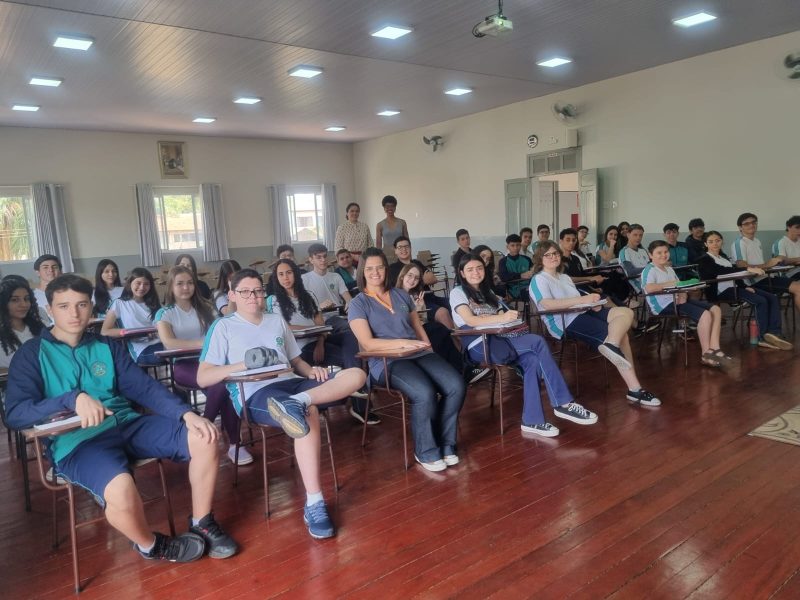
[[215, 246], [149, 247], [281, 233], [51, 223], [331, 214]]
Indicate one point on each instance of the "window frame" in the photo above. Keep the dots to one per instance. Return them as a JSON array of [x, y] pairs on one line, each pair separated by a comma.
[[165, 235], [319, 211], [25, 192]]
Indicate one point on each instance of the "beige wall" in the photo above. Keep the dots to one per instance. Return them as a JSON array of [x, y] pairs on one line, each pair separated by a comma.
[[101, 168], [710, 136]]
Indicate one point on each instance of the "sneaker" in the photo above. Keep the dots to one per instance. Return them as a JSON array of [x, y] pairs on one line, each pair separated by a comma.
[[451, 460], [778, 341], [543, 429], [372, 418], [245, 458], [218, 543], [436, 465], [614, 355], [476, 374], [766, 344], [318, 522], [518, 370], [186, 547], [643, 397], [576, 413], [53, 478], [361, 394], [290, 415]]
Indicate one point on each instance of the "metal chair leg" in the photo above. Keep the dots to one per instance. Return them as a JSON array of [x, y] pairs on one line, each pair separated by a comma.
[[324, 416]]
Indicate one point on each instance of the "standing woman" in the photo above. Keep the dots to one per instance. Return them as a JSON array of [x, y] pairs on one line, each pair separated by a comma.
[[19, 317], [353, 235], [187, 260], [474, 304], [384, 318], [107, 286], [391, 228], [223, 304], [136, 307]]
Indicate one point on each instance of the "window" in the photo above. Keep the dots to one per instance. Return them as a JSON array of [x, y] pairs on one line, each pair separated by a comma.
[[179, 216], [306, 218], [16, 221]]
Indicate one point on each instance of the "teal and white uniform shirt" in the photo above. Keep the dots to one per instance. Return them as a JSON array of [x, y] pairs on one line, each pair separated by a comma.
[[653, 274], [789, 249], [330, 286], [749, 251], [230, 337], [185, 324], [633, 263], [274, 307], [133, 315], [547, 287], [598, 259]]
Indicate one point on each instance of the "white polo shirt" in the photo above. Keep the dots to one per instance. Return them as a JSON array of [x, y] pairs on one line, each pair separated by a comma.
[[546, 287], [23, 336], [185, 324], [132, 315], [654, 274], [330, 286], [749, 251], [274, 307], [789, 249]]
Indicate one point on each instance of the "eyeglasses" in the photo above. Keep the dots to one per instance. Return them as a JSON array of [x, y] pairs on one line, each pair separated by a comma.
[[403, 247], [258, 293], [746, 223], [552, 255]]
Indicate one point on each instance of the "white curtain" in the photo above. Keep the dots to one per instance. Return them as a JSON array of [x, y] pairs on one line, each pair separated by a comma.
[[149, 247], [215, 247], [331, 215], [281, 233], [51, 223]]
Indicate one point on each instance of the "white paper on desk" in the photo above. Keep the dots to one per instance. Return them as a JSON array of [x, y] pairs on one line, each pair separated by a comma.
[[57, 423], [313, 328], [600, 302], [734, 275], [259, 370], [514, 323]]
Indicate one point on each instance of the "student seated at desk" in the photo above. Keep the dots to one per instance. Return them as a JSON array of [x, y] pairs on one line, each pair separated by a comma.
[[183, 323], [694, 241], [47, 267], [288, 401], [384, 318], [107, 286], [603, 329], [464, 241], [658, 276], [135, 308], [188, 261], [767, 306], [403, 253], [19, 317], [542, 235], [606, 252], [67, 368], [345, 269], [497, 285], [474, 304], [633, 257], [526, 237], [789, 247], [610, 283], [222, 301], [327, 288], [514, 266], [583, 248]]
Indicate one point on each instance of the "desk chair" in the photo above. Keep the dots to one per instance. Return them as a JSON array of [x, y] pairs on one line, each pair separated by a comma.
[[665, 317]]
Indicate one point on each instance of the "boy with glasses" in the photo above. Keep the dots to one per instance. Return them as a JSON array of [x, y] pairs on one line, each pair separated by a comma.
[[246, 339], [402, 250]]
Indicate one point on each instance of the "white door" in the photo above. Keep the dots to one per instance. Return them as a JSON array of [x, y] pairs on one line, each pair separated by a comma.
[[545, 204], [518, 205], [589, 202]]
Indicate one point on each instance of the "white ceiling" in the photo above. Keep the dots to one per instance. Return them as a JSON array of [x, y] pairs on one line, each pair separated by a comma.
[[157, 64]]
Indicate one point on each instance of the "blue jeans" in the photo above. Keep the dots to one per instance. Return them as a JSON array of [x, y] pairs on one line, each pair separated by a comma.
[[536, 360], [767, 305], [148, 358], [340, 350], [434, 424]]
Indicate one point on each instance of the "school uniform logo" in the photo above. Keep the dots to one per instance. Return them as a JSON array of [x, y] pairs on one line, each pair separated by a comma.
[[279, 342], [99, 369]]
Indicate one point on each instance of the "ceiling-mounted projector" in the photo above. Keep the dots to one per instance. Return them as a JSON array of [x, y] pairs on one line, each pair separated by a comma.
[[494, 25]]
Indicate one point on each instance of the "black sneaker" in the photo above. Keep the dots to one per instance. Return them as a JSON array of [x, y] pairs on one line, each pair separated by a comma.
[[643, 397], [614, 355], [186, 547], [357, 412], [219, 543]]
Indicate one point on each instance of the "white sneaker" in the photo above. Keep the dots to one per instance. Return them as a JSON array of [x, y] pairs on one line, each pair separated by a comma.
[[436, 465], [245, 458], [451, 460]]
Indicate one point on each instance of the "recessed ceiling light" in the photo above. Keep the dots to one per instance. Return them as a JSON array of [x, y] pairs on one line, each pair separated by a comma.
[[73, 43], [25, 107], [204, 120], [556, 61], [388, 113], [46, 81], [247, 100], [335, 128], [693, 20], [306, 71], [392, 32], [458, 91]]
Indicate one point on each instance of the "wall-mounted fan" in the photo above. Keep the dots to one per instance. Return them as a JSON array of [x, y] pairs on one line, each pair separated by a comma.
[[792, 64], [565, 113], [434, 140]]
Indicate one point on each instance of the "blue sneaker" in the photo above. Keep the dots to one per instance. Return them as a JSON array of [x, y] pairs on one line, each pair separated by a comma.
[[319, 523], [290, 414]]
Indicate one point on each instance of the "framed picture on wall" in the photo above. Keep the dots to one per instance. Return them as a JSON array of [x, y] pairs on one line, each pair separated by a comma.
[[172, 160]]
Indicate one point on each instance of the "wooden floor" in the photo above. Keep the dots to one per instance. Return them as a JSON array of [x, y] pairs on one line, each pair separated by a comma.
[[674, 502]]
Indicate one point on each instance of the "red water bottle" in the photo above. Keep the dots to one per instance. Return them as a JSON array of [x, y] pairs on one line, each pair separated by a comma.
[[753, 332]]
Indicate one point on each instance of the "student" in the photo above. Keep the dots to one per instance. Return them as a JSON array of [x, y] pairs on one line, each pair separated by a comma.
[[289, 402], [678, 251], [48, 267], [694, 241], [328, 289], [633, 257], [474, 304], [409, 279], [602, 329], [606, 252], [287, 251], [19, 317], [463, 239], [345, 269], [767, 307], [68, 368], [222, 302], [188, 261], [624, 229], [136, 307], [403, 253], [513, 267], [542, 235], [384, 318], [353, 234], [107, 286], [183, 323], [612, 284], [746, 252], [526, 237], [583, 248], [497, 285], [298, 308], [388, 230], [789, 247]]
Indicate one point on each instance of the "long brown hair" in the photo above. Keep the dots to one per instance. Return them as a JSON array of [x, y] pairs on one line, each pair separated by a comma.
[[205, 311], [541, 250], [403, 272]]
